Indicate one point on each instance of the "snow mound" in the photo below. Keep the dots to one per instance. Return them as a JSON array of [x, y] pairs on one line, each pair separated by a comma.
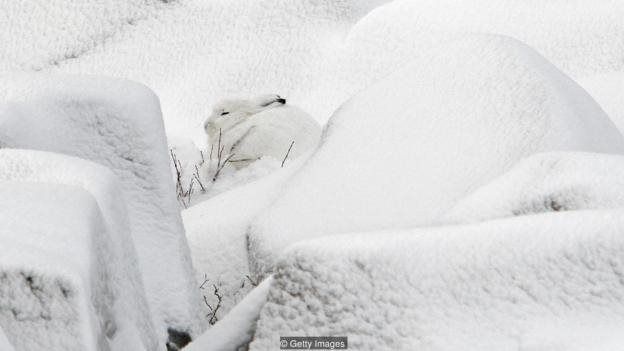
[[216, 231], [548, 182], [55, 268], [580, 37], [131, 309], [526, 283], [460, 116], [116, 124]]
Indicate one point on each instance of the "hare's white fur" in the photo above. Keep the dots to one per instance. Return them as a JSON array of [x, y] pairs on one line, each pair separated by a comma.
[[260, 127]]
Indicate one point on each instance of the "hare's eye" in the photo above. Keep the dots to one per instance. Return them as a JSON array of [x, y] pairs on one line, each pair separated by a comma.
[[224, 113]]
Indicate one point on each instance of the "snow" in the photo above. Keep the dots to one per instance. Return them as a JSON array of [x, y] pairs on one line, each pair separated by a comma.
[[133, 318], [547, 182], [607, 89], [403, 151], [46, 33], [4, 343], [116, 124], [317, 53], [216, 232], [192, 53], [512, 284], [580, 37], [56, 267], [459, 113], [238, 326]]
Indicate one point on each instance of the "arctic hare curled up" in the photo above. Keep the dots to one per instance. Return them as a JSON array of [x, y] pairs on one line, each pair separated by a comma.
[[264, 126]]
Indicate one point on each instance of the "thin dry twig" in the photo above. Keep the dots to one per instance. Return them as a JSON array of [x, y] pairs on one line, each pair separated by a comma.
[[212, 316], [201, 153], [189, 192], [205, 281], [214, 178], [183, 194], [253, 282], [198, 179], [287, 153]]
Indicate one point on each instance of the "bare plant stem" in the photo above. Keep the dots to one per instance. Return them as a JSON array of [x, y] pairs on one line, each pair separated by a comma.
[[287, 153], [221, 167], [198, 179]]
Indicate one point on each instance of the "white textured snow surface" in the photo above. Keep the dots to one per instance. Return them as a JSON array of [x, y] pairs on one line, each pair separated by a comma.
[[116, 124], [132, 319], [55, 268], [4, 342], [317, 53], [607, 89], [192, 53], [550, 182], [545, 282], [407, 148]]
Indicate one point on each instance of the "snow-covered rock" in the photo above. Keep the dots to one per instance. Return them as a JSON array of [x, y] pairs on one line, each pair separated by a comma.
[[544, 282], [132, 313], [216, 231], [116, 124], [237, 328], [402, 152], [549, 182], [55, 269], [4, 342]]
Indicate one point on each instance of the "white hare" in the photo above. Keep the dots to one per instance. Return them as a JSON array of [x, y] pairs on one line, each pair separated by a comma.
[[264, 126]]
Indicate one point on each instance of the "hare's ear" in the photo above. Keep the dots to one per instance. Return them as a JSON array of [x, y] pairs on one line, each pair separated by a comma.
[[268, 100]]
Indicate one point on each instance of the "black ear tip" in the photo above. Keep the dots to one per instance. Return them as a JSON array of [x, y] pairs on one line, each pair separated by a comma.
[[281, 100]]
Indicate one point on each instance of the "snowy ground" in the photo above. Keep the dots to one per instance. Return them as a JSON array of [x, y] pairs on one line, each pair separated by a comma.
[[468, 181]]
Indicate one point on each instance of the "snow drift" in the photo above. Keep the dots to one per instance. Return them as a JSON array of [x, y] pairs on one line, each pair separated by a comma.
[[55, 268], [132, 318], [545, 282], [580, 37], [460, 116], [550, 182], [116, 124]]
